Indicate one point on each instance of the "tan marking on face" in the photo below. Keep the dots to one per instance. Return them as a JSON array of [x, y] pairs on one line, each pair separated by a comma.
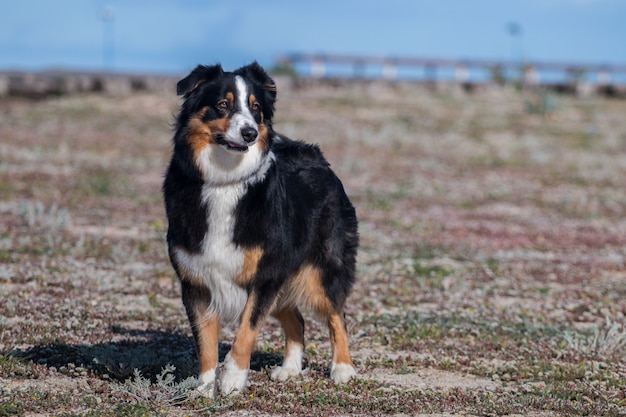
[[263, 138], [251, 259], [201, 134], [251, 100], [231, 98], [245, 338]]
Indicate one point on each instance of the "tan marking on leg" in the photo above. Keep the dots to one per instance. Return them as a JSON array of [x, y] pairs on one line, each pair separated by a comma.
[[251, 259], [306, 288], [208, 341], [245, 338], [293, 325], [339, 339]]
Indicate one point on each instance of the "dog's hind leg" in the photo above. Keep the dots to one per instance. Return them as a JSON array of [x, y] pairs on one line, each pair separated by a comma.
[[342, 368], [293, 325]]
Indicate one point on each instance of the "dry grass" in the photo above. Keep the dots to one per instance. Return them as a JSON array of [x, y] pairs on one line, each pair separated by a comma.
[[492, 276]]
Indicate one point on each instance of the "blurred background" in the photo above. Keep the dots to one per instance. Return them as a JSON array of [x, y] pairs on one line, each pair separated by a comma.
[[483, 143], [165, 37]]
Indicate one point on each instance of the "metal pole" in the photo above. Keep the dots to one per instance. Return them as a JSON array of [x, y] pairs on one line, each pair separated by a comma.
[[107, 15]]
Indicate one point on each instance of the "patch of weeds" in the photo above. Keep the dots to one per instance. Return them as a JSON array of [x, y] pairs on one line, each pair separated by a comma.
[[603, 341], [543, 103], [164, 392], [122, 410], [101, 182], [92, 247], [41, 401], [35, 214], [447, 364], [567, 372], [405, 366], [425, 252], [491, 268], [98, 183], [323, 398], [11, 407], [137, 410], [12, 366], [577, 399], [403, 331], [378, 200], [431, 275]]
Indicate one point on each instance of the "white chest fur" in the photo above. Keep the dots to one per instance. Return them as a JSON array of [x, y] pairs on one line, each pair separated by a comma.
[[220, 260]]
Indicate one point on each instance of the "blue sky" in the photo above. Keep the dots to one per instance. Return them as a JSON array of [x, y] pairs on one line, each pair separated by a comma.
[[172, 36]]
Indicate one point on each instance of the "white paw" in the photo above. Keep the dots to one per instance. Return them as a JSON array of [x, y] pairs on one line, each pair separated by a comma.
[[283, 373], [292, 365], [208, 386], [233, 379], [341, 373]]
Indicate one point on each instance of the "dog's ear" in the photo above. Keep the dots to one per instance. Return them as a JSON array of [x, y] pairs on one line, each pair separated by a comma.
[[201, 74], [256, 73]]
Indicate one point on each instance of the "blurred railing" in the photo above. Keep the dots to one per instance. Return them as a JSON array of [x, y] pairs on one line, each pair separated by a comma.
[[470, 74], [566, 77]]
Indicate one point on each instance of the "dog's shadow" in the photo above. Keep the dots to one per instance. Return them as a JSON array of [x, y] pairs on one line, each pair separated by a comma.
[[148, 351]]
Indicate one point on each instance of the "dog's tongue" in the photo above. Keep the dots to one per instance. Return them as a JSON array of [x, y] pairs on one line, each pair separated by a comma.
[[236, 145]]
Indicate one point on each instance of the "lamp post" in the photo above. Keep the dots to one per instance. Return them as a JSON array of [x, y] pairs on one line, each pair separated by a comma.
[[107, 15], [517, 52]]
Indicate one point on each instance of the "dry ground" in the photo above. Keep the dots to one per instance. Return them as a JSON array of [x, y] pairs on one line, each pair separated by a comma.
[[492, 276]]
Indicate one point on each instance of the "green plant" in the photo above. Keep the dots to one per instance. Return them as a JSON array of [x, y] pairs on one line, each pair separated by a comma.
[[165, 391], [543, 103], [604, 341]]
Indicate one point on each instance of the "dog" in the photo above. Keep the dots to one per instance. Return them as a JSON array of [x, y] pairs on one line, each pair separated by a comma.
[[259, 225]]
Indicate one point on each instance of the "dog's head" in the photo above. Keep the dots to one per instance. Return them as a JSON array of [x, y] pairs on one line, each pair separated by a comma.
[[226, 115]]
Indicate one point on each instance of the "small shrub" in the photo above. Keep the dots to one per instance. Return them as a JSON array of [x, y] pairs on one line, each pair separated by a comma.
[[166, 391]]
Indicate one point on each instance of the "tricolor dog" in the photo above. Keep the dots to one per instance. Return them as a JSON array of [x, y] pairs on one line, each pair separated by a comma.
[[259, 225]]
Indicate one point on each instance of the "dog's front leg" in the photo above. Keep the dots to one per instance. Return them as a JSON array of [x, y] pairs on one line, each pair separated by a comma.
[[208, 342], [237, 362], [206, 331]]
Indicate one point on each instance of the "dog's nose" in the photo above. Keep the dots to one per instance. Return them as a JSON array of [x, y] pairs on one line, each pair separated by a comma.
[[248, 134]]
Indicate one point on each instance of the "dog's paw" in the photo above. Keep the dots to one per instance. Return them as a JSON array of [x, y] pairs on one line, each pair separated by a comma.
[[341, 373], [292, 365], [208, 386], [283, 373], [232, 379]]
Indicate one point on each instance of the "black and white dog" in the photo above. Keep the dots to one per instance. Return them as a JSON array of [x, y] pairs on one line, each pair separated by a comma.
[[258, 225]]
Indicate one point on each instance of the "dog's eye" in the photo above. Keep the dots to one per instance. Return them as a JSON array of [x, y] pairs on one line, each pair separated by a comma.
[[255, 106], [223, 105]]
